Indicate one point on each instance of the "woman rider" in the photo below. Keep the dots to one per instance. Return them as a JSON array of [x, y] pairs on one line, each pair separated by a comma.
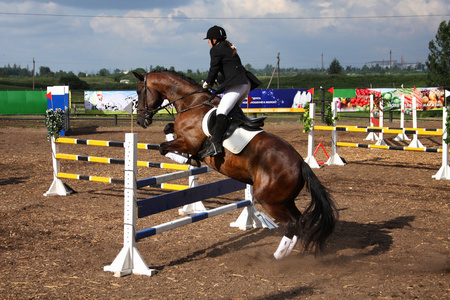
[[237, 83]]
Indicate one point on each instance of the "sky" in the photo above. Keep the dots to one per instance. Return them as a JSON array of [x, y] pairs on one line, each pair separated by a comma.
[[86, 36]]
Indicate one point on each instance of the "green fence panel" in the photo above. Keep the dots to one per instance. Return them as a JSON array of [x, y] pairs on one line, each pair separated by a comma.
[[23, 102]]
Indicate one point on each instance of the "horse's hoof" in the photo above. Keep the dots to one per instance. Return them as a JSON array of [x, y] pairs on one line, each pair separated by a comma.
[[283, 248], [162, 151], [194, 162]]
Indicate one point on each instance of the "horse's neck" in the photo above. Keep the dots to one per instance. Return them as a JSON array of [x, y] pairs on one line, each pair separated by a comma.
[[188, 101], [177, 89]]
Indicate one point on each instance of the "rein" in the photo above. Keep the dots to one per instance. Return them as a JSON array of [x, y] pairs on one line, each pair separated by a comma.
[[148, 112], [182, 97]]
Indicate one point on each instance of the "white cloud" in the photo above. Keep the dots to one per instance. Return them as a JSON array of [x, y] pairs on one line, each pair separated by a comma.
[[137, 26], [151, 32]]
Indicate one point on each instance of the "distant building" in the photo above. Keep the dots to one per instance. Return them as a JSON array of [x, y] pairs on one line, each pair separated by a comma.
[[386, 64], [126, 81], [382, 63]]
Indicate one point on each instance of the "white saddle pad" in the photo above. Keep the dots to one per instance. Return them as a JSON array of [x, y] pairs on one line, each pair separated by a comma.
[[237, 141]]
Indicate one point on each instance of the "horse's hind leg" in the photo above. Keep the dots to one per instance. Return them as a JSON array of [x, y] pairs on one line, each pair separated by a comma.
[[289, 217]]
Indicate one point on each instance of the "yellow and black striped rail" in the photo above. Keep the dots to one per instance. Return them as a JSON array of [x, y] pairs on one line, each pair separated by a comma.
[[421, 131], [117, 161], [167, 186], [62, 140], [90, 178], [385, 147]]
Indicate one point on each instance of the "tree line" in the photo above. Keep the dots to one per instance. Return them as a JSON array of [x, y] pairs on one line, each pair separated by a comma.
[[334, 68]]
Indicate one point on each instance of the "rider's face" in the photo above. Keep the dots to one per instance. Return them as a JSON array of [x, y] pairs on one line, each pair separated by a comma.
[[211, 43]]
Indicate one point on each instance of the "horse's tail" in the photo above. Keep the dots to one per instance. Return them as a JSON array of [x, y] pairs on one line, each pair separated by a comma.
[[319, 218]]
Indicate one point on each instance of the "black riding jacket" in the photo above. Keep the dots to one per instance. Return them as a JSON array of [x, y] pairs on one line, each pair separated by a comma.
[[230, 66]]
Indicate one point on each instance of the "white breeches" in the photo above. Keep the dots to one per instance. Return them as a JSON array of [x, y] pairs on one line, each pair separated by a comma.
[[234, 94]]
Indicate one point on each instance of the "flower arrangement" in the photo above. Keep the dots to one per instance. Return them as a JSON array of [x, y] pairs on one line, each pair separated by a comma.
[[329, 119], [306, 120], [54, 121], [447, 127]]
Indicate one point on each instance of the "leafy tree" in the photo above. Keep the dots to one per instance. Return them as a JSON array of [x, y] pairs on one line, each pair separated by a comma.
[[349, 69], [103, 72], [335, 67], [249, 67], [365, 70], [61, 73], [73, 81], [439, 58], [268, 70], [157, 68], [45, 71], [15, 70], [118, 76], [140, 71]]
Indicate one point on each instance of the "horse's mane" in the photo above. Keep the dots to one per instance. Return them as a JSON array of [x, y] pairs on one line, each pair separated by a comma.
[[179, 75]]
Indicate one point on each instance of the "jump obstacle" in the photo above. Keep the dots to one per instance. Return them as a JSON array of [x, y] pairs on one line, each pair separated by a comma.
[[129, 260], [335, 159], [415, 143], [59, 188]]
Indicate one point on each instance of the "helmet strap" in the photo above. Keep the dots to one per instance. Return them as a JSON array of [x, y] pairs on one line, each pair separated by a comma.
[[214, 43]]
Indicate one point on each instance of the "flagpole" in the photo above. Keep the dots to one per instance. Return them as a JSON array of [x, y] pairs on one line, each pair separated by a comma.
[[247, 105], [129, 109]]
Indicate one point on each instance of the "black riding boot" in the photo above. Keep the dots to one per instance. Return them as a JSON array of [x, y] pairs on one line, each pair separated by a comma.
[[216, 141]]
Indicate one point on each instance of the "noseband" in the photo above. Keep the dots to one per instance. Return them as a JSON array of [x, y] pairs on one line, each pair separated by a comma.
[[147, 113]]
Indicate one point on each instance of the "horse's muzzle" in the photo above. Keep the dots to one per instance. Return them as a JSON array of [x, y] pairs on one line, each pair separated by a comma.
[[144, 121]]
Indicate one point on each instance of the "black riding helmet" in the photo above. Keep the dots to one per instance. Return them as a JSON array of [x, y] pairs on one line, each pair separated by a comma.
[[216, 32]]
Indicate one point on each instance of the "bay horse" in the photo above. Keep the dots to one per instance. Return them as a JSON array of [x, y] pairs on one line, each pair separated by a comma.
[[275, 169]]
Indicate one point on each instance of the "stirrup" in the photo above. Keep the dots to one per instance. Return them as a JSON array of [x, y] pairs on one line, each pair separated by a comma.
[[212, 150]]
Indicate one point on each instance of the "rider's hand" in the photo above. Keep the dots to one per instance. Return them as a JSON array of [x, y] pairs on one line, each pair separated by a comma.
[[206, 85]]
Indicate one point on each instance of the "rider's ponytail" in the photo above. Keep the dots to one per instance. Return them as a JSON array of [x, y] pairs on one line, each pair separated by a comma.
[[231, 46]]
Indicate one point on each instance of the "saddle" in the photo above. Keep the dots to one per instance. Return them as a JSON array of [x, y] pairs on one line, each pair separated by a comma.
[[237, 119], [241, 129]]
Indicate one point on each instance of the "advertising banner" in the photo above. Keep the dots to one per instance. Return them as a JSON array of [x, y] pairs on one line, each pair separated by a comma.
[[110, 101], [259, 101], [352, 100], [277, 100]]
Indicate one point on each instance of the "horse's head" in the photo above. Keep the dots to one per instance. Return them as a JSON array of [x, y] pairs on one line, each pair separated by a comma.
[[148, 101]]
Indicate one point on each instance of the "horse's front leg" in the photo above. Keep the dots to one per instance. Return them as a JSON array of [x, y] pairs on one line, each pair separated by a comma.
[[179, 145], [176, 145]]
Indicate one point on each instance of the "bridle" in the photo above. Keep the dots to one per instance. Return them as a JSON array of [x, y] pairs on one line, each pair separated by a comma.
[[150, 113]]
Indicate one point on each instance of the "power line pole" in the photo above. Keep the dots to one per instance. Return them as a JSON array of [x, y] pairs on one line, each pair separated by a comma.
[[273, 73], [390, 61], [34, 68], [278, 69], [322, 62]]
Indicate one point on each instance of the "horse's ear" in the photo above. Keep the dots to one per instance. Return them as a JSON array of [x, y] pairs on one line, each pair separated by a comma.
[[139, 76]]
